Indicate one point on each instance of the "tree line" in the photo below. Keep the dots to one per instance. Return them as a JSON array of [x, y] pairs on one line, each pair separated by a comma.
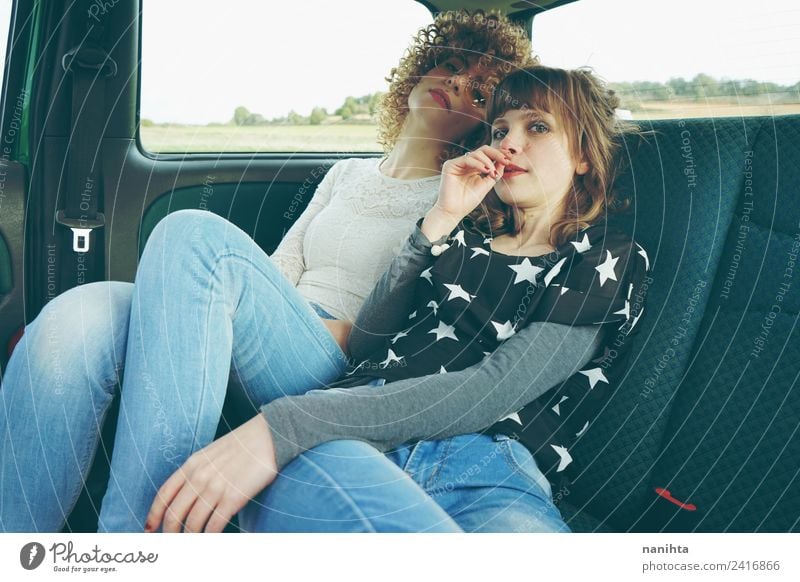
[[700, 87], [703, 87], [353, 109]]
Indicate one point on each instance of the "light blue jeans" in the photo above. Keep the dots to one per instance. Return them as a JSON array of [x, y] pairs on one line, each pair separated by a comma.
[[208, 305]]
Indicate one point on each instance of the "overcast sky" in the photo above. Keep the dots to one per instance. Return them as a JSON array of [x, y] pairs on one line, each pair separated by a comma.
[[202, 58]]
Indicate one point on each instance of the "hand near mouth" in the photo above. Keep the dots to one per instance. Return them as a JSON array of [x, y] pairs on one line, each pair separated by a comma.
[[467, 179]]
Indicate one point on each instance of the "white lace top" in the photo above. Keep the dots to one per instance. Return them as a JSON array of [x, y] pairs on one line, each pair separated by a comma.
[[354, 225]]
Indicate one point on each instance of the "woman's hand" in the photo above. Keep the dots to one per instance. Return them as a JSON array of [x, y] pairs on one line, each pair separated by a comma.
[[216, 481], [467, 179], [465, 182], [340, 330]]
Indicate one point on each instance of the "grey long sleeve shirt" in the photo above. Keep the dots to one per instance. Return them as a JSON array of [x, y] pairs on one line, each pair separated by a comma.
[[536, 358]]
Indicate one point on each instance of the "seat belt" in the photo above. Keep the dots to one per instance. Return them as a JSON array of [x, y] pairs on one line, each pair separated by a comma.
[[81, 253]]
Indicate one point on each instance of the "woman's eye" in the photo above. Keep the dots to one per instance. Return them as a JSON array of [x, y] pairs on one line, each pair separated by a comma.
[[478, 99], [539, 128], [498, 134], [450, 66]]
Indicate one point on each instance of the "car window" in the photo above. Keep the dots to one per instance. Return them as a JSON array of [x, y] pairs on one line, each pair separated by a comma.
[[682, 59], [246, 76]]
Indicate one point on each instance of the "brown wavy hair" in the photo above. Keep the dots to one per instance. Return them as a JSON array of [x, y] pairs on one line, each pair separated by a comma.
[[586, 109], [500, 45]]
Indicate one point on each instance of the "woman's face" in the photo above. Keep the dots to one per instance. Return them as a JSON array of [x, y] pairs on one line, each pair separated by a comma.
[[542, 166], [451, 98]]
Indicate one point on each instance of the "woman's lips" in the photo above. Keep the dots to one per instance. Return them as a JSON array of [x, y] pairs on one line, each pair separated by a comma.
[[441, 98], [511, 170]]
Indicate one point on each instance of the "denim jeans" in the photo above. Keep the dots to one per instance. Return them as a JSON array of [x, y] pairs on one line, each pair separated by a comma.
[[208, 303], [467, 483]]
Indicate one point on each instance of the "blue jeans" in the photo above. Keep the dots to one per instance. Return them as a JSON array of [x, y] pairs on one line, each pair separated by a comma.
[[208, 304], [467, 483]]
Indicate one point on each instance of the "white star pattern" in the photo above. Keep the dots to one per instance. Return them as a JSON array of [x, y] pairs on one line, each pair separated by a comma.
[[442, 370], [433, 305], [426, 274], [391, 357], [564, 290], [457, 292], [525, 271], [564, 455], [413, 315], [582, 246], [626, 311], [595, 375], [644, 254], [504, 330], [583, 430], [555, 270], [459, 238], [557, 407], [606, 269], [488, 240], [636, 319], [398, 336], [630, 289], [478, 251], [513, 416], [444, 331]]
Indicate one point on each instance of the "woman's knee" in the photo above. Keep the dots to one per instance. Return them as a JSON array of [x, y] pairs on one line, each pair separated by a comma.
[[191, 230], [81, 332]]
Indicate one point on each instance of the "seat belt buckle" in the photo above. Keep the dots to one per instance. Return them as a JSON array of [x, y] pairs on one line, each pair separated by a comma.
[[81, 229]]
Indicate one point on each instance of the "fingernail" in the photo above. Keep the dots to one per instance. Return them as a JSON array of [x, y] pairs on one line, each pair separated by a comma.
[[148, 528]]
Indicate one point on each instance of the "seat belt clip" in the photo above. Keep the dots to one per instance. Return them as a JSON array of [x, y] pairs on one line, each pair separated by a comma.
[[81, 229]]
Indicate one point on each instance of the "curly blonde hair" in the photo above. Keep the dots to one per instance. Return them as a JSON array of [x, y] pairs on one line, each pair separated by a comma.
[[501, 46], [586, 109]]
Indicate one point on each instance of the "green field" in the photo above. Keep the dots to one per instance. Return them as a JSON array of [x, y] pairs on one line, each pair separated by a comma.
[[344, 138], [270, 138]]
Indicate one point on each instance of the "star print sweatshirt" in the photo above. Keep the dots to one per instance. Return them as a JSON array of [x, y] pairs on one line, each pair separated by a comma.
[[533, 362]]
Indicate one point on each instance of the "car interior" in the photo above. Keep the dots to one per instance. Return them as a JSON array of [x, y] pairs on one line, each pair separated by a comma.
[[706, 416]]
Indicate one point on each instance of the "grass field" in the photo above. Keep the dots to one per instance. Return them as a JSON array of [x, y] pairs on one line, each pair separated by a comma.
[[341, 138], [270, 138]]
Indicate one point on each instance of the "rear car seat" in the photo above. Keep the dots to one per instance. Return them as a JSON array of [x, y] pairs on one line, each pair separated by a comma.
[[708, 414]]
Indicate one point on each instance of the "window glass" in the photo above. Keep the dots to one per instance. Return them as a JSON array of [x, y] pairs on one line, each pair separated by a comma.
[[683, 58], [243, 76]]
